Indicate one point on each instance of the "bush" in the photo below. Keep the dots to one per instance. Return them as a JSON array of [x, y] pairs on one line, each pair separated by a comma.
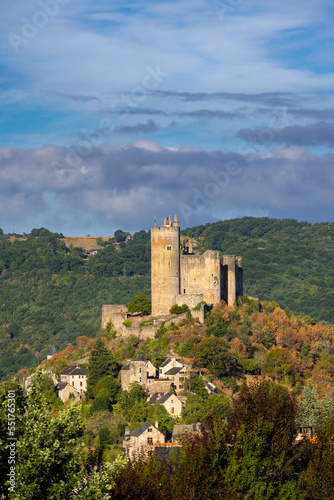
[[175, 309], [127, 323], [198, 306], [140, 304]]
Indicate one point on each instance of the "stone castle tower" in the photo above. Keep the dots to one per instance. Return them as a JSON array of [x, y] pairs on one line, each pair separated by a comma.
[[179, 276], [165, 265]]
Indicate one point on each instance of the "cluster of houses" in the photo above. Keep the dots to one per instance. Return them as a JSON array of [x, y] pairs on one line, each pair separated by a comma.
[[164, 387]]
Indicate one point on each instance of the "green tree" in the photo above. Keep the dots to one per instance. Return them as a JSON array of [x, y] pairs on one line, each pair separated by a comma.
[[215, 354], [261, 428], [101, 364], [12, 402], [141, 303], [120, 235], [48, 451]]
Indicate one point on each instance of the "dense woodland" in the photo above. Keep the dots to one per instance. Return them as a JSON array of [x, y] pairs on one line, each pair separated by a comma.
[[51, 294]]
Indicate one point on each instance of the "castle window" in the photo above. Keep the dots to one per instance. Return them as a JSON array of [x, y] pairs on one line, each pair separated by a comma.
[[169, 247], [139, 379]]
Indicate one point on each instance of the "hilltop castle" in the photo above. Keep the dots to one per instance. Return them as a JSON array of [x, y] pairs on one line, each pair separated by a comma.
[[179, 276]]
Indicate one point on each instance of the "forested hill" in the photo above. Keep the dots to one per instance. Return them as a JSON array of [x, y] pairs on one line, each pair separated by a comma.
[[52, 294]]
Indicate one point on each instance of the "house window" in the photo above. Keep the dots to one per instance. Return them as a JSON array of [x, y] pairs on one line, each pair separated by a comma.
[[139, 370], [149, 440], [149, 429], [172, 410], [139, 379], [80, 384], [169, 248]]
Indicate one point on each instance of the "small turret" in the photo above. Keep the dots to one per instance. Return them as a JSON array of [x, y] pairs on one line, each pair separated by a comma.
[[176, 221]]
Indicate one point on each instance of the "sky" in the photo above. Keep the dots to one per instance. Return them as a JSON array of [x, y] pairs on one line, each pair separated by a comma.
[[115, 113]]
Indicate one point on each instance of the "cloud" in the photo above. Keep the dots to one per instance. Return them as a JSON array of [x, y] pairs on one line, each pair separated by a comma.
[[269, 98], [209, 114], [150, 127], [321, 133], [136, 111], [140, 128], [317, 114], [84, 98], [99, 189]]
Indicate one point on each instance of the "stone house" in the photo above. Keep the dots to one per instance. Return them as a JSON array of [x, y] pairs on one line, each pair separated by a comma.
[[137, 370], [142, 440], [76, 377], [178, 376], [181, 430], [171, 402], [64, 390], [168, 364]]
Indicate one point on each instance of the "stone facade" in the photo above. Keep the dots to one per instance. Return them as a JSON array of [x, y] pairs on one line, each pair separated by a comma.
[[141, 440], [178, 276], [116, 313], [171, 402], [137, 370], [64, 391], [75, 376]]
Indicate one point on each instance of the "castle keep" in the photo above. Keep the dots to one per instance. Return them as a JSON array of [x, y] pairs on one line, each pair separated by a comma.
[[178, 276]]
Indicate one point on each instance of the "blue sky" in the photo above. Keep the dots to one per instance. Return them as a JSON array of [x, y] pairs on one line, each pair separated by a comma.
[[212, 109]]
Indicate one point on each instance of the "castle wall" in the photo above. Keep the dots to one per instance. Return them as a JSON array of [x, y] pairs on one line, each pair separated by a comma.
[[116, 313], [232, 283], [190, 300], [201, 274], [165, 267]]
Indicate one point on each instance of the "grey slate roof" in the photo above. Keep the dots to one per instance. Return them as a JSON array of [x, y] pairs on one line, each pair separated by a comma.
[[79, 371], [141, 429], [126, 367], [67, 370], [60, 386], [53, 350], [159, 399], [74, 370], [173, 371], [165, 363]]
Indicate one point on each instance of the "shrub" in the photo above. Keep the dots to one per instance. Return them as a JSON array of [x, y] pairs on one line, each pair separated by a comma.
[[176, 309], [127, 323], [198, 306]]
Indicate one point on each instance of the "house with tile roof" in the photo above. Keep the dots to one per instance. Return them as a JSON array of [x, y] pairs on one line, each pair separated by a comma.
[[76, 378], [142, 440], [170, 401]]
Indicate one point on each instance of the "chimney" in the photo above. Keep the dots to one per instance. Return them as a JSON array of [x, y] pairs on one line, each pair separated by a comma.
[[156, 424]]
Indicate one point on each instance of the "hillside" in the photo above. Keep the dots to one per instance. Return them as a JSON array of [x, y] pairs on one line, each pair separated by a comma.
[[51, 294]]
